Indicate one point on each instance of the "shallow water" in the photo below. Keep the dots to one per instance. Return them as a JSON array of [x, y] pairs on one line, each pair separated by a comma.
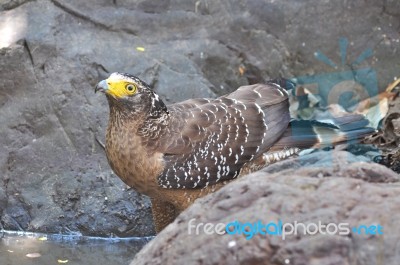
[[21, 248]]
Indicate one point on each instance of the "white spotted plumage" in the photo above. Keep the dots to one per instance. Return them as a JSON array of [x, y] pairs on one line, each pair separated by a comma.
[[224, 134]]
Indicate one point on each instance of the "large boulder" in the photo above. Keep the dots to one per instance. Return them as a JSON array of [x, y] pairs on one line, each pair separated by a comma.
[[326, 187]]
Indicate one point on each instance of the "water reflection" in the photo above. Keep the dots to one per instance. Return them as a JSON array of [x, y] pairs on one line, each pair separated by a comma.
[[17, 248]]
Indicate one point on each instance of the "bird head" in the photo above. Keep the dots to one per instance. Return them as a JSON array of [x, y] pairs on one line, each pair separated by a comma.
[[129, 93]]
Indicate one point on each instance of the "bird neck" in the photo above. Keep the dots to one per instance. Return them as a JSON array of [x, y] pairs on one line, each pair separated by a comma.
[[128, 152], [148, 126]]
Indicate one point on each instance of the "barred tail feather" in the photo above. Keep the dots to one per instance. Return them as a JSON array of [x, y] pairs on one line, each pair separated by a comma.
[[323, 133]]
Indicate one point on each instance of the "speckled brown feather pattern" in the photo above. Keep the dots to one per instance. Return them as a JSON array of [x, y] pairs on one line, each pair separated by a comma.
[[127, 155], [213, 139], [198, 142], [179, 153]]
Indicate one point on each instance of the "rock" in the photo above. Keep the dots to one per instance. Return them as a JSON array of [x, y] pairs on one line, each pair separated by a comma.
[[357, 193], [55, 175], [52, 53]]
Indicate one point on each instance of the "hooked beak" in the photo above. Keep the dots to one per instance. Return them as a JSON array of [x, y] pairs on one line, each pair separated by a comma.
[[102, 86]]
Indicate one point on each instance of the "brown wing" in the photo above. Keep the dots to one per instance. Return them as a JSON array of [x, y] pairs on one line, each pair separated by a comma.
[[210, 140]]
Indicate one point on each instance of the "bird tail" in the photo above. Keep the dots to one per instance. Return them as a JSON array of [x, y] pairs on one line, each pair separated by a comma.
[[303, 134]]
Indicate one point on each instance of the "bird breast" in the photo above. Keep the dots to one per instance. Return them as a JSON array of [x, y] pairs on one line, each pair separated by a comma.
[[130, 160]]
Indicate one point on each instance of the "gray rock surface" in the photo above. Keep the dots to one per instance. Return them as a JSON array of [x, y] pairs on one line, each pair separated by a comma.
[[54, 176], [330, 187]]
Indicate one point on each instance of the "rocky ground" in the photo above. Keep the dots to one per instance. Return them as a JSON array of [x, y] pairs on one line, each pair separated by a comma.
[[331, 187], [54, 176]]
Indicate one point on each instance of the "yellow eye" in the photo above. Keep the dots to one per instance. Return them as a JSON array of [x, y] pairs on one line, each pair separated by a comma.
[[131, 88]]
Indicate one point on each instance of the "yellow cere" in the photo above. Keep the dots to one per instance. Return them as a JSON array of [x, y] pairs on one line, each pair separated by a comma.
[[119, 88], [140, 49], [62, 261]]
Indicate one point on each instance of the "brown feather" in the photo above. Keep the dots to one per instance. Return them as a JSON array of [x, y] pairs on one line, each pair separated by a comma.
[[222, 135]]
